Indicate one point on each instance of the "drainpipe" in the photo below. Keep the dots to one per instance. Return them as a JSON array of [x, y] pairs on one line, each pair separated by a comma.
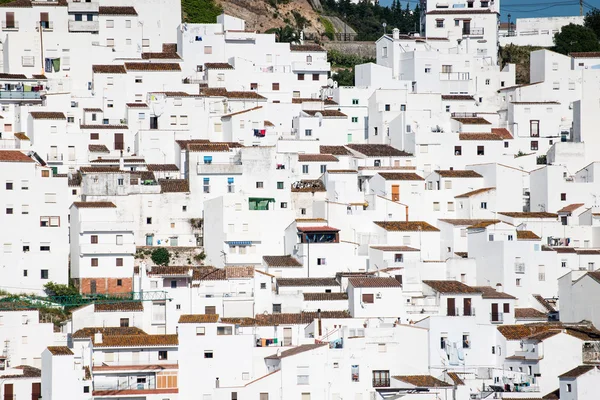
[[320, 326]]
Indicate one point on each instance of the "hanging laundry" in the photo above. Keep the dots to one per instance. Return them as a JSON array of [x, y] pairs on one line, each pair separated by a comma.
[[26, 88], [48, 65], [56, 64], [198, 38]]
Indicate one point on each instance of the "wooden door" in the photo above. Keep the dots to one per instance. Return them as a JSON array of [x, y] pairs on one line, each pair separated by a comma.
[[10, 19], [451, 304], [467, 306], [395, 192], [119, 142], [495, 314], [287, 336], [36, 391], [8, 391]]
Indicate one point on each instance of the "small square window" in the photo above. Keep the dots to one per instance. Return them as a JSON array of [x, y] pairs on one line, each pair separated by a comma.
[[149, 221], [208, 354], [44, 274], [259, 185], [119, 263], [94, 262], [263, 285], [280, 185], [563, 197]]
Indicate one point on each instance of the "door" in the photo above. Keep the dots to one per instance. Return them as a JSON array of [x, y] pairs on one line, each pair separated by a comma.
[[119, 142], [36, 391], [8, 391], [287, 336], [451, 303], [93, 287], [149, 240], [10, 19], [495, 314], [395, 192], [466, 27], [153, 122], [467, 307], [71, 153], [44, 20]]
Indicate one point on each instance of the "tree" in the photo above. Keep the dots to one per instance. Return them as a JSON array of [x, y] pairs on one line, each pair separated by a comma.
[[344, 77], [57, 289], [160, 256], [592, 21], [287, 34], [575, 38]]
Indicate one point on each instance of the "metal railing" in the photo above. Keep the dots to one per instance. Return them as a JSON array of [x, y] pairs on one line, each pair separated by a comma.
[[461, 312], [520, 267], [472, 32], [10, 25], [19, 95], [46, 25], [381, 382], [496, 318], [54, 157]]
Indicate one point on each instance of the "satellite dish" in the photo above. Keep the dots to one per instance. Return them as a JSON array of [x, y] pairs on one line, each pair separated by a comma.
[[330, 82]]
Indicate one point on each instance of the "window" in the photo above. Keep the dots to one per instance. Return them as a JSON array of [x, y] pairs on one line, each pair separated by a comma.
[[124, 322], [368, 298], [44, 274], [590, 266], [119, 262], [120, 181], [25, 248], [200, 331], [94, 136], [321, 261], [45, 173], [436, 206], [300, 77], [427, 70], [276, 308], [308, 132], [466, 341], [355, 120], [45, 247], [224, 331], [316, 77], [506, 308], [259, 185], [518, 282], [283, 205], [387, 107], [9, 186], [480, 150], [110, 23], [127, 23], [110, 43], [354, 102], [207, 49], [450, 206], [208, 354], [323, 169], [302, 379], [458, 150], [381, 378], [439, 23], [483, 205], [534, 145], [569, 388], [183, 120], [447, 109], [305, 169], [505, 145], [163, 355], [398, 257], [94, 262], [534, 128], [9, 210], [279, 185], [275, 86], [556, 86]]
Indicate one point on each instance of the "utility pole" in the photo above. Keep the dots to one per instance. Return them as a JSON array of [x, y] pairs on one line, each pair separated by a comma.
[[581, 8]]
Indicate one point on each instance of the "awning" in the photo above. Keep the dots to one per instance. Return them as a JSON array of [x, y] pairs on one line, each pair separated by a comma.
[[257, 199], [239, 243]]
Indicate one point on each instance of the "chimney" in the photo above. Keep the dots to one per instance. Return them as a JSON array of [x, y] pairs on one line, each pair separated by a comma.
[[98, 337], [396, 33], [499, 288], [217, 383]]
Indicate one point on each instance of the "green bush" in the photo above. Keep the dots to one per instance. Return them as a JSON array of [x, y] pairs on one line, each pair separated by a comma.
[[161, 256], [56, 289], [200, 11], [329, 29], [339, 59]]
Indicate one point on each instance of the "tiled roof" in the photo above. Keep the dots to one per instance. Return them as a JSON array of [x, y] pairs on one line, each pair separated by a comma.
[[472, 121], [14, 156], [234, 271], [484, 224], [309, 185], [463, 11], [325, 296], [114, 10], [378, 150], [116, 160], [110, 331], [335, 150], [28, 372], [489, 292], [527, 235], [103, 126], [570, 208], [47, 115], [466, 222], [424, 381], [526, 103], [462, 254], [457, 97], [458, 173], [474, 192], [373, 282], [325, 113], [241, 112], [541, 336], [451, 287], [300, 100], [522, 331], [108, 69], [161, 56], [296, 350], [286, 319], [455, 378], [301, 282], [171, 270], [479, 136], [406, 226], [268, 123], [21, 136], [94, 204], [538, 214], [218, 66], [281, 261], [92, 110], [585, 54], [580, 370], [174, 185], [130, 306], [222, 92], [39, 77], [544, 302], [317, 158], [502, 132], [394, 248], [317, 229], [136, 105], [162, 167], [60, 351], [342, 171], [136, 66], [138, 341], [198, 318], [100, 170], [206, 146], [12, 76], [306, 47], [400, 176], [529, 313]]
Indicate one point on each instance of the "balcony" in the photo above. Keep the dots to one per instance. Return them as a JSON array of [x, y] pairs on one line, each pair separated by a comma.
[[56, 157], [519, 267], [472, 32], [47, 26], [240, 36], [105, 248], [497, 318], [461, 312], [10, 25], [84, 7], [84, 26], [311, 66], [231, 168], [381, 382], [145, 365], [454, 76], [20, 96]]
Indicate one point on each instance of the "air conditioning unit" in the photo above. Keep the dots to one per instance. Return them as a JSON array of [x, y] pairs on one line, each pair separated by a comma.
[[378, 296]]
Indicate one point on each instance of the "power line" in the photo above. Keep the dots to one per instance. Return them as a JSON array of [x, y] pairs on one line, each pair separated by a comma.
[[539, 9]]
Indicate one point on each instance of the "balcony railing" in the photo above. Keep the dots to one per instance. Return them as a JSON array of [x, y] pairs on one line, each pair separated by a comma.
[[381, 382], [454, 76], [84, 26], [10, 25], [46, 25], [461, 312], [84, 6], [472, 32], [496, 318], [18, 95], [520, 268], [54, 157]]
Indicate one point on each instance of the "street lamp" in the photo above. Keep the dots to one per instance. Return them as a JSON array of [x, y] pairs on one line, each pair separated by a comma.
[[508, 24], [384, 26]]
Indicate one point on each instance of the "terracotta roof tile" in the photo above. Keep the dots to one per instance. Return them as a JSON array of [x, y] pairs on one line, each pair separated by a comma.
[[174, 185], [47, 115], [458, 173], [309, 185], [451, 287], [130, 306], [394, 248], [137, 66], [222, 92], [286, 319], [467, 222], [479, 136], [28, 372], [136, 105], [138, 341], [296, 350], [527, 235], [585, 54], [110, 331], [317, 158], [94, 204], [117, 161], [39, 77], [302, 282], [489, 292], [218, 66], [108, 69], [21, 136], [538, 214], [400, 176], [171, 270], [103, 126], [463, 97], [529, 313], [570, 208], [526, 103], [484, 224], [269, 123], [92, 110], [326, 113], [423, 381], [325, 296], [114, 10], [281, 261], [237, 272], [588, 251], [544, 302], [342, 171], [580, 370], [378, 150], [306, 47], [12, 76], [198, 318], [300, 100], [14, 156], [519, 332], [60, 351], [374, 282], [503, 133], [162, 167], [161, 56], [335, 150], [472, 121], [455, 378], [406, 226], [100, 170]]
